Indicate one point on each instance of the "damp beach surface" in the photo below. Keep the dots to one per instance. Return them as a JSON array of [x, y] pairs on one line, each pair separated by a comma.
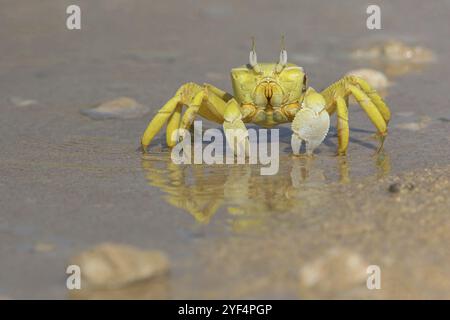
[[70, 183]]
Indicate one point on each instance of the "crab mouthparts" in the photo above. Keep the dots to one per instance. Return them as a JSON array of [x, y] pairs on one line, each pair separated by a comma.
[[268, 92]]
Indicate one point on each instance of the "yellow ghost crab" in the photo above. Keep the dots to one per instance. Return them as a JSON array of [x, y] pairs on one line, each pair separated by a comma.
[[269, 94]]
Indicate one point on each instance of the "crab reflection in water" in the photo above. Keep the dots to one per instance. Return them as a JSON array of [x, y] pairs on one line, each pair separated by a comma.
[[246, 195]]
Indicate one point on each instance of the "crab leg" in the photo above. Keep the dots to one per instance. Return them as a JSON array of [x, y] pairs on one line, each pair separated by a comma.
[[341, 89], [172, 125], [342, 125], [373, 112], [369, 107], [191, 111], [158, 121], [198, 99], [206, 104], [369, 100], [375, 98], [225, 96]]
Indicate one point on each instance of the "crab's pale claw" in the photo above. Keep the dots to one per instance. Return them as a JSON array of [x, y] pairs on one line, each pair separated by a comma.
[[296, 143], [235, 131], [311, 123]]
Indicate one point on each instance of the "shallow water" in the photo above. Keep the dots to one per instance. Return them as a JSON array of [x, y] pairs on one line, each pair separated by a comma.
[[73, 182], [242, 191]]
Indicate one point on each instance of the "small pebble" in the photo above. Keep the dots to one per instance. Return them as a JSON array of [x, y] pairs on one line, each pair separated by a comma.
[[110, 265], [43, 247], [395, 50], [423, 123], [375, 78], [21, 102], [337, 270], [398, 187], [411, 126], [395, 188], [120, 108]]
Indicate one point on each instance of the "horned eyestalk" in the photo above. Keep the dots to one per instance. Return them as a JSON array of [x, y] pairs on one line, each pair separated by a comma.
[[282, 61], [283, 53], [253, 60]]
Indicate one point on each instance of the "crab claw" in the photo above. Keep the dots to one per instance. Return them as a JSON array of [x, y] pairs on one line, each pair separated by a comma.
[[311, 123], [237, 138], [235, 131]]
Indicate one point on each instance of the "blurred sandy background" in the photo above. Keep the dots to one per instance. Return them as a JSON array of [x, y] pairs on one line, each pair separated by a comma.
[[70, 182]]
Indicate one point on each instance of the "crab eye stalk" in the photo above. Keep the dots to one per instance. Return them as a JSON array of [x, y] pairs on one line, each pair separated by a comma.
[[253, 60], [283, 53], [282, 62]]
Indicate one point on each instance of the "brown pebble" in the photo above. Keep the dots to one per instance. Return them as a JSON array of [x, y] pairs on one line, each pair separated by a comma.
[[398, 187], [394, 188], [120, 108], [112, 265], [375, 78]]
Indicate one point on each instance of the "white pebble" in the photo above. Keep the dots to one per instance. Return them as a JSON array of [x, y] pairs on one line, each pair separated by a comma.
[[120, 108]]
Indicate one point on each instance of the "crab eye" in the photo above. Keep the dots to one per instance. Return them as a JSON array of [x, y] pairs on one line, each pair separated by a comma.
[[253, 61], [282, 61], [305, 84], [283, 57]]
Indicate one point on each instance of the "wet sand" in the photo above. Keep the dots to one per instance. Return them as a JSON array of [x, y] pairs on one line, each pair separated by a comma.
[[70, 182]]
